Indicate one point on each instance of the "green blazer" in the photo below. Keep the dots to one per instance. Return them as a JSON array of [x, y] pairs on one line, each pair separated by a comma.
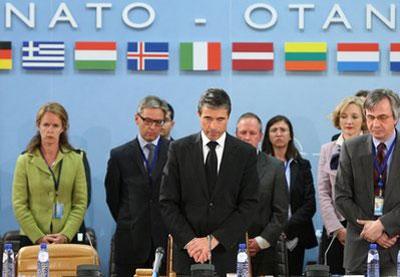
[[34, 194]]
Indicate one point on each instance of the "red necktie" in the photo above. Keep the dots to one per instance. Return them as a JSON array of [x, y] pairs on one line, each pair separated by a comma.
[[380, 155]]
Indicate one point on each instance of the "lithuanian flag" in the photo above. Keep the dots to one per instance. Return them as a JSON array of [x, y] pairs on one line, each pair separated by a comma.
[[5, 55], [305, 56]]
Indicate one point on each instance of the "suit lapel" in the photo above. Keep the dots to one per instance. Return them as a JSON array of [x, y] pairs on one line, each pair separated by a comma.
[[137, 154], [198, 163], [367, 169], [161, 157], [394, 173], [294, 171], [227, 161]]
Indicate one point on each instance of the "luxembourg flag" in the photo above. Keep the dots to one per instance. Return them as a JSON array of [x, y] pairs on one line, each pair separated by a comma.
[[362, 57], [395, 56]]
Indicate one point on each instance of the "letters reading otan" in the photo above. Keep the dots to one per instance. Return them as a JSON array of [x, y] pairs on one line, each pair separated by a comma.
[[64, 15], [336, 15]]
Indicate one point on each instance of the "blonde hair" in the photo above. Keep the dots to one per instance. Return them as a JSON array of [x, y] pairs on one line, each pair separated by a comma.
[[62, 114], [343, 105]]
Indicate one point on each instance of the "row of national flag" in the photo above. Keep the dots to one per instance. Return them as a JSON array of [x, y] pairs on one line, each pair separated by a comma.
[[199, 56]]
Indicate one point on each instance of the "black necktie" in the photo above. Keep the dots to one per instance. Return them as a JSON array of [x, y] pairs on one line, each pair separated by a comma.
[[211, 166], [380, 155], [150, 156]]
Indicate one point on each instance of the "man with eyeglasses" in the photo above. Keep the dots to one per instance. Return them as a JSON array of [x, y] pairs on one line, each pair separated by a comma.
[[209, 192], [368, 186], [132, 188]]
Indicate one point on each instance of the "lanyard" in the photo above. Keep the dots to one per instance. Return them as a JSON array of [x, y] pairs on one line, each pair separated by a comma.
[[56, 181], [151, 166], [381, 169]]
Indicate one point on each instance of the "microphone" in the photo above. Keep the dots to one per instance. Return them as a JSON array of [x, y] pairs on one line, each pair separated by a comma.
[[157, 260], [328, 248], [319, 269]]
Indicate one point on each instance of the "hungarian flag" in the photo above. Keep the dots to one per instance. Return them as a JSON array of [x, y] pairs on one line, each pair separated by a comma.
[[358, 57], [5, 55], [253, 56], [91, 55], [395, 56], [200, 55], [305, 56]]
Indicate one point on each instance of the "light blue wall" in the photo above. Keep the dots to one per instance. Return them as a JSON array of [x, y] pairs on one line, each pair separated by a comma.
[[101, 105]]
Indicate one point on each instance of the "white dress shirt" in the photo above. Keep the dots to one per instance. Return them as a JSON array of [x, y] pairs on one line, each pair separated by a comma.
[[219, 149]]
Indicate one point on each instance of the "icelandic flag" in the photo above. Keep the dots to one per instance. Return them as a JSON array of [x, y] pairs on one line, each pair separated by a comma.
[[362, 57], [47, 55], [147, 56], [395, 56]]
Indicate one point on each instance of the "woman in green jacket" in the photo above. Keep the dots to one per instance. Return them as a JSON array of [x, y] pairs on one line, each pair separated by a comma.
[[49, 187]]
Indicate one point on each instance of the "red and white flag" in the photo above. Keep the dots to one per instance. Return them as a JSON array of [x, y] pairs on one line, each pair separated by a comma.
[[252, 56]]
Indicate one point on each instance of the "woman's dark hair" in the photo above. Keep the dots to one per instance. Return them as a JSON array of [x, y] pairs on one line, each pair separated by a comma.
[[291, 152], [62, 114]]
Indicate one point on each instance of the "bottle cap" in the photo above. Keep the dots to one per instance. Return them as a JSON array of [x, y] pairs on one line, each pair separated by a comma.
[[8, 246], [373, 246], [242, 246], [43, 246]]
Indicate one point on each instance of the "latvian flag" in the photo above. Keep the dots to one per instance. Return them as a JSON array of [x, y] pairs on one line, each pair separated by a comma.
[[358, 57], [394, 56], [95, 55], [147, 56], [200, 55], [5, 55], [43, 55], [305, 56], [252, 56]]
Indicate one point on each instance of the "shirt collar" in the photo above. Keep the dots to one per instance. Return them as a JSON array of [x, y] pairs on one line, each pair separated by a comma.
[[143, 142], [220, 140], [387, 142], [340, 139]]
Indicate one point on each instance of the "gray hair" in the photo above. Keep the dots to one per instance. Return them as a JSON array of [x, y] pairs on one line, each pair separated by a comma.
[[152, 102], [377, 95], [250, 115]]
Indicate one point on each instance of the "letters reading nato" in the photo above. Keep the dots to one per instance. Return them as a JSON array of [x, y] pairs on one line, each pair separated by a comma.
[[132, 188], [368, 186], [63, 14], [209, 189]]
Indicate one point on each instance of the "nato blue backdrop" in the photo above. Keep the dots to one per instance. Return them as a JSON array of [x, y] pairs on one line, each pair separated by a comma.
[[101, 105]]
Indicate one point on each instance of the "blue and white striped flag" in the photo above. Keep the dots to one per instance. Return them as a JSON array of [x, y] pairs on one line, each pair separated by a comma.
[[43, 55]]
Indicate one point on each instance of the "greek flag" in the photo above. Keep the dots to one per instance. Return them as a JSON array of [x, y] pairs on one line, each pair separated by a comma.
[[43, 55]]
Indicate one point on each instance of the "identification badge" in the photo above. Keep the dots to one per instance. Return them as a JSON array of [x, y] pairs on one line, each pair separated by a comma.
[[378, 208], [58, 210]]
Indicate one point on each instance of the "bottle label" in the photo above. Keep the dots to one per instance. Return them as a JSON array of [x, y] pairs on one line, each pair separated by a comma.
[[242, 257], [43, 257], [371, 258]]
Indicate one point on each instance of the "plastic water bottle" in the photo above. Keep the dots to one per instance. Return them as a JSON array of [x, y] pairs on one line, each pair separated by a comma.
[[373, 261], [43, 269], [242, 268], [8, 261]]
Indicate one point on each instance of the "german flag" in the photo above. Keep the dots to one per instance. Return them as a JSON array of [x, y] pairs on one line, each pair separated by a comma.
[[5, 55], [305, 56]]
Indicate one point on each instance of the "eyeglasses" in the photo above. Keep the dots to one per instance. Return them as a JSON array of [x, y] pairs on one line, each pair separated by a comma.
[[148, 121]]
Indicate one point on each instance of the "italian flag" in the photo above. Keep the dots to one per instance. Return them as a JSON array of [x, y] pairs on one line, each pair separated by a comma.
[[91, 55], [200, 55]]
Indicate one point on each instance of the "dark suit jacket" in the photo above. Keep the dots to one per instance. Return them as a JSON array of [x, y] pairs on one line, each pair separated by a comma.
[[302, 203], [272, 213], [355, 198], [132, 197], [190, 210]]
